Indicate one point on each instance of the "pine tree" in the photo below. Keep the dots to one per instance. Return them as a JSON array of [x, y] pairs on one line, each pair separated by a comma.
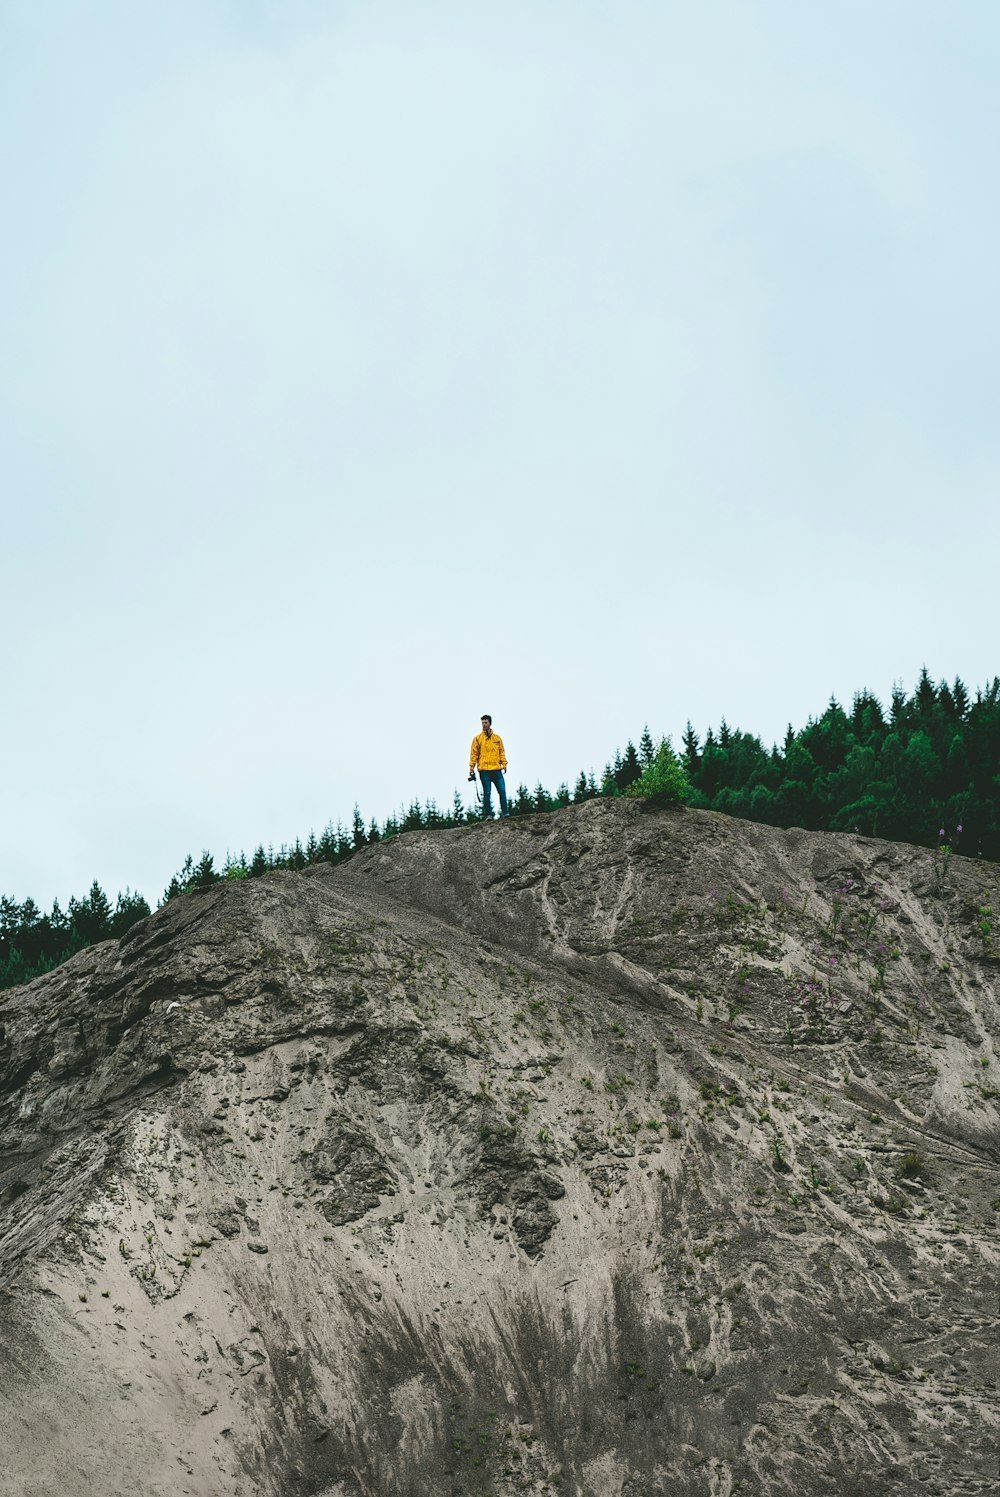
[[413, 818], [129, 910], [205, 874], [867, 719], [925, 697], [100, 910], [692, 758], [629, 769], [30, 914], [10, 917], [90, 918]]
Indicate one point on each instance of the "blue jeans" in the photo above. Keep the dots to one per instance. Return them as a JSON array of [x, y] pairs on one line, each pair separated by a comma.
[[489, 778]]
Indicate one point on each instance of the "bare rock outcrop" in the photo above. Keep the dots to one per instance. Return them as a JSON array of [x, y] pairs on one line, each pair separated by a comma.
[[619, 1151]]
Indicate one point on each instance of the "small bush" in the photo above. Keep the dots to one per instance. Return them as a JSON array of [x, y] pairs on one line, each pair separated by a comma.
[[664, 780], [912, 1167]]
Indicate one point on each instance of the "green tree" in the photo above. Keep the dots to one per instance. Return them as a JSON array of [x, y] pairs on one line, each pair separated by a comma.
[[623, 772], [205, 872], [542, 800], [129, 910], [523, 803], [692, 756], [90, 918], [925, 699], [412, 820], [664, 779]]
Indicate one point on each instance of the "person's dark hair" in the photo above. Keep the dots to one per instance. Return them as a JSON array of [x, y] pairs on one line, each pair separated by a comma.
[[485, 717]]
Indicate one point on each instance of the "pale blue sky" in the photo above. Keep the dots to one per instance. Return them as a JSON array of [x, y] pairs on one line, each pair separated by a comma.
[[364, 367]]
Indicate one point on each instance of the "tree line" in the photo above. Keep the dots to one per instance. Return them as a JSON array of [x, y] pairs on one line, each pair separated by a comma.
[[923, 771], [32, 942]]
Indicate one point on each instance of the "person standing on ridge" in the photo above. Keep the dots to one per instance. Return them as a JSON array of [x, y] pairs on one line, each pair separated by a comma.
[[487, 755]]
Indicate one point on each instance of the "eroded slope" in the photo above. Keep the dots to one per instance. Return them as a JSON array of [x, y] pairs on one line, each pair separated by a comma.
[[615, 1151]]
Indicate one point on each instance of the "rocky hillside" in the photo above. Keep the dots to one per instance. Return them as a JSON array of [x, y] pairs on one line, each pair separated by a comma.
[[616, 1151]]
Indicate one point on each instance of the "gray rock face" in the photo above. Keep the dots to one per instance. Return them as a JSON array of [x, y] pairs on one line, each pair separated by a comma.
[[617, 1151]]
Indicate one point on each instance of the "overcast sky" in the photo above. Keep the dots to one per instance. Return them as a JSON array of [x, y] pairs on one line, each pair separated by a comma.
[[365, 367]]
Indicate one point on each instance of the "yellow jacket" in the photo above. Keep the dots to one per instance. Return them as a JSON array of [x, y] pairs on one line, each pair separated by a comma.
[[487, 753]]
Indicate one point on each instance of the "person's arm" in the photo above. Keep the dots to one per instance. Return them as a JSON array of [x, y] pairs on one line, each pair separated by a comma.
[[503, 756], [474, 753]]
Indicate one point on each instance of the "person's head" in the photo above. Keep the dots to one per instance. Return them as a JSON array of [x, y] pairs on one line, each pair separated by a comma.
[[487, 722]]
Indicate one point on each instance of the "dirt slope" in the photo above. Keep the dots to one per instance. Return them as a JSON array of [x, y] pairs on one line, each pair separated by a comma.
[[617, 1151]]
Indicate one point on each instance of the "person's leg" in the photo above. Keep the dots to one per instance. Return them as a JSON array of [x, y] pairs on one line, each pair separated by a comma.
[[486, 780], [501, 787]]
